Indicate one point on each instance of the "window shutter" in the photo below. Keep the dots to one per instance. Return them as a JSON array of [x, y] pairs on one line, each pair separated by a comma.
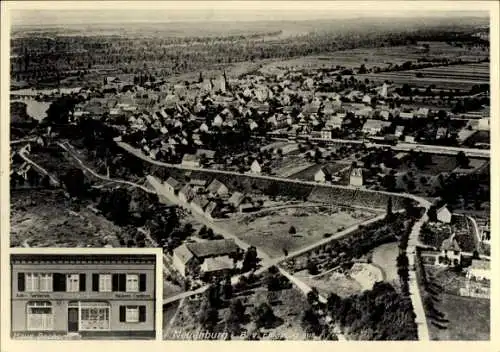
[[114, 283], [122, 314], [142, 282], [122, 282], [95, 282], [83, 285], [21, 282], [142, 314]]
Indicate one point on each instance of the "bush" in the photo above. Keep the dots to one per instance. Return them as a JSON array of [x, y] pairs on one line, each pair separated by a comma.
[[292, 230]]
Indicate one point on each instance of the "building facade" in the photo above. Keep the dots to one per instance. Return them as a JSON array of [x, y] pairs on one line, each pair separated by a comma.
[[88, 296]]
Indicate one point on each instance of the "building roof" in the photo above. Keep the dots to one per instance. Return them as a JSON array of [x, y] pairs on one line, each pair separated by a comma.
[[215, 186], [200, 201], [450, 244], [173, 183], [357, 172], [478, 264], [183, 253], [187, 190], [211, 207], [189, 158], [198, 182], [210, 154], [328, 170], [369, 124], [217, 264], [236, 198], [214, 248]]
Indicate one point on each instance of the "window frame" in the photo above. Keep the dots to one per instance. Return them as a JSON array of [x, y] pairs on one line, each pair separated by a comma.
[[70, 282], [40, 305], [89, 306], [101, 280], [136, 283]]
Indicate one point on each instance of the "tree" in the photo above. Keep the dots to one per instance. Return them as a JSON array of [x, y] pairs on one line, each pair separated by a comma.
[[250, 260], [389, 207], [227, 289], [74, 181], [292, 230], [263, 316], [312, 268], [310, 322], [235, 317], [462, 160], [432, 213]]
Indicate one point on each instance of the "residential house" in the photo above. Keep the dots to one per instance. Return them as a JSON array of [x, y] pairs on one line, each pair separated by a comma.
[[198, 184], [410, 139], [199, 203], [255, 168], [218, 121], [422, 113], [186, 194], [326, 133], [450, 252], [172, 185], [484, 124], [375, 126], [183, 260], [335, 121], [190, 160], [385, 114], [444, 215], [218, 267], [365, 112], [207, 154], [217, 188], [236, 199], [406, 115], [367, 99], [356, 177], [399, 131], [325, 174], [441, 132], [479, 270]]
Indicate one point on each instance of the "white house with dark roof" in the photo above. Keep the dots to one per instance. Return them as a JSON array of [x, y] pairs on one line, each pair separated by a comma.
[[324, 174], [356, 177], [255, 168]]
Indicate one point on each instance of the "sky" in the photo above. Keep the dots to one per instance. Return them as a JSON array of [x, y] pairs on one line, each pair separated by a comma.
[[23, 13]]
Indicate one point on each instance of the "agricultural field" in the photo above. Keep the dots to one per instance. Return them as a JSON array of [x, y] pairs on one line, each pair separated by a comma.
[[381, 57], [461, 77], [42, 219], [289, 166], [271, 230]]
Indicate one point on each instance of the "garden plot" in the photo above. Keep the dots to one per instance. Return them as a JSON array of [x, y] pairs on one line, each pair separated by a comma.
[[294, 227]]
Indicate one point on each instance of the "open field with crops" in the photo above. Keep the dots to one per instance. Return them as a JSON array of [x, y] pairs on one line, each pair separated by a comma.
[[381, 57], [462, 77]]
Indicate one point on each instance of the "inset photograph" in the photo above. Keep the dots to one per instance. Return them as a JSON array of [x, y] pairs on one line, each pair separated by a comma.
[[87, 296]]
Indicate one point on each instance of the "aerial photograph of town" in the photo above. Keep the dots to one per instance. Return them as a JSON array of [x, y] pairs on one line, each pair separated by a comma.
[[312, 177]]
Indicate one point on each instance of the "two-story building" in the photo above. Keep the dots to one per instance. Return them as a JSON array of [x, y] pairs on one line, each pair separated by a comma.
[[89, 296]]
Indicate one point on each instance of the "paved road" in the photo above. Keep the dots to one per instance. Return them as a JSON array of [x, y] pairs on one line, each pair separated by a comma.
[[423, 332], [53, 180]]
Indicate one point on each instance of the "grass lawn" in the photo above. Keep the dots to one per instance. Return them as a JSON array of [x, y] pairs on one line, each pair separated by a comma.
[[270, 230], [469, 319], [290, 166], [332, 282], [478, 137], [440, 163]]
